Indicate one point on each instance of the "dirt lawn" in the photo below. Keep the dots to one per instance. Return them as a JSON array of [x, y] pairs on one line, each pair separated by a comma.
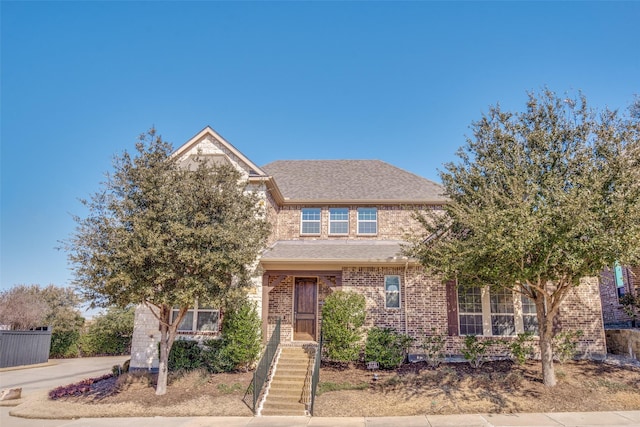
[[455, 388]]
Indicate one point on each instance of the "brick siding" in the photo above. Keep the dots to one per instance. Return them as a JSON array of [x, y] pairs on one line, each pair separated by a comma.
[[394, 223], [612, 312]]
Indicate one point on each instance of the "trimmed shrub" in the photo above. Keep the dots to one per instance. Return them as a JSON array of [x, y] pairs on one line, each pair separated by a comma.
[[214, 358], [241, 335], [185, 355], [343, 315], [387, 347]]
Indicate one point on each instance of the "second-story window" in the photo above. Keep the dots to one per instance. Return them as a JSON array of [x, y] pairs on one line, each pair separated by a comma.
[[367, 221], [310, 223], [339, 221]]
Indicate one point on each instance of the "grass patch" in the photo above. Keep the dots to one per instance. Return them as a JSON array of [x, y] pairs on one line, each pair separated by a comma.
[[229, 389], [325, 387]]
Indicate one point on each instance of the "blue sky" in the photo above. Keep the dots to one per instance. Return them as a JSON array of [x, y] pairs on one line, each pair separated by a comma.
[[400, 82]]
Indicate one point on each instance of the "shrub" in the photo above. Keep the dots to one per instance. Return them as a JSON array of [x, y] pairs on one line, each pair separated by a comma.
[[522, 348], [433, 346], [241, 334], [109, 333], [631, 306], [387, 347], [565, 345], [343, 315], [475, 351], [64, 344], [185, 355], [214, 359]]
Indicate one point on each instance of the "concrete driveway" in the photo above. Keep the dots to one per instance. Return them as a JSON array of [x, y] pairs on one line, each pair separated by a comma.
[[48, 376]]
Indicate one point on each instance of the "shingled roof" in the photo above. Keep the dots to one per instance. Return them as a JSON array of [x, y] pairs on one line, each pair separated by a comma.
[[339, 252], [350, 181]]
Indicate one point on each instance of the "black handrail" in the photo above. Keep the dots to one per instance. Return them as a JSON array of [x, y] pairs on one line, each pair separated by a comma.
[[315, 377], [261, 373]]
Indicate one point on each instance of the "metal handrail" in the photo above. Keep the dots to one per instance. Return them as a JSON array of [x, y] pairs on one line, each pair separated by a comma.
[[315, 377], [261, 373]]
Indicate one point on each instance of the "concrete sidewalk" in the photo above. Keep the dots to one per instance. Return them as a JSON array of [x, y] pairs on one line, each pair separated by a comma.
[[566, 419], [60, 372]]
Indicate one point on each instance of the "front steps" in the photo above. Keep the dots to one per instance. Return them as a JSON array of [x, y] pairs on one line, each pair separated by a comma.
[[287, 390]]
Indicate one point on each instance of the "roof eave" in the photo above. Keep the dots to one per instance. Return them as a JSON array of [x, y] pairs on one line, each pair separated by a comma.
[[287, 201], [329, 264]]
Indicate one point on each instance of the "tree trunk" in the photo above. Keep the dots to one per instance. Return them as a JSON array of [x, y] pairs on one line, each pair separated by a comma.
[[168, 332], [546, 356], [546, 312], [163, 367]]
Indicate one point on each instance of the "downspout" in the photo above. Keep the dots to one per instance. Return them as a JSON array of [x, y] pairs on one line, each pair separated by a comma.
[[406, 311]]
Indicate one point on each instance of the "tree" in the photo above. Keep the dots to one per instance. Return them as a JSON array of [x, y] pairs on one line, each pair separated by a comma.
[[164, 234], [539, 200], [31, 306], [22, 307], [65, 319]]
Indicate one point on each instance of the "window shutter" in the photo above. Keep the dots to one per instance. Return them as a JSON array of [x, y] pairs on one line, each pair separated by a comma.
[[452, 307]]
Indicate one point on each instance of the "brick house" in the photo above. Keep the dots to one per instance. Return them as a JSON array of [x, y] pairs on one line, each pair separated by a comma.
[[614, 283], [339, 225]]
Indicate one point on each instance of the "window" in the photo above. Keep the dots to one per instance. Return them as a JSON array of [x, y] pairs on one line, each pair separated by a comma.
[[339, 221], [392, 291], [310, 221], [198, 320], [495, 312], [470, 310], [618, 277], [529, 316], [502, 312], [367, 221]]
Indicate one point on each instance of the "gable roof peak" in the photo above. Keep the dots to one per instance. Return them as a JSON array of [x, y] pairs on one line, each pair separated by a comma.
[[209, 135]]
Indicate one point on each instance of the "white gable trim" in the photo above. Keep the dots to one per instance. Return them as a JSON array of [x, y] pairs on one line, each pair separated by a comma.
[[208, 131]]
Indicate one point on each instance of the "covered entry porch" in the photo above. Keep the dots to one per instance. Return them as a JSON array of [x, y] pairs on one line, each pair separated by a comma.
[[296, 297]]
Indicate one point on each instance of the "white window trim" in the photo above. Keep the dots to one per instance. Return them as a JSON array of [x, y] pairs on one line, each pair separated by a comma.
[[472, 313], [487, 329], [365, 221], [339, 221], [399, 292], [194, 323], [303, 221]]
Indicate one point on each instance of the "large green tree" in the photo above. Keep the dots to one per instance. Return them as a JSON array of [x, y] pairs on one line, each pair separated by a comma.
[[538, 200], [163, 233]]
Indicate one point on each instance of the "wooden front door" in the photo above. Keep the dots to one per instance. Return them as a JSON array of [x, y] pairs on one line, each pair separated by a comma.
[[305, 309]]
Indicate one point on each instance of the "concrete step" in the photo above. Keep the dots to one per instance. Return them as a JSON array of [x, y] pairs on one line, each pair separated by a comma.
[[275, 412], [286, 387], [291, 370]]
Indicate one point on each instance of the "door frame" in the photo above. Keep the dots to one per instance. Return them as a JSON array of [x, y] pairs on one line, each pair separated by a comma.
[[294, 306]]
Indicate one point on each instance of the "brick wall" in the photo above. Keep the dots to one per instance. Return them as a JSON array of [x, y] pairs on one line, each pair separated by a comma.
[[281, 306], [582, 310], [612, 312], [394, 222], [424, 308]]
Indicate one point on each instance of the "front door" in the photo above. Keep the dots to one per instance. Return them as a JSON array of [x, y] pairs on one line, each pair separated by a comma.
[[305, 309]]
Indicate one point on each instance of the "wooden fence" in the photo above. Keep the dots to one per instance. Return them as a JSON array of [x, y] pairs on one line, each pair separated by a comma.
[[24, 347]]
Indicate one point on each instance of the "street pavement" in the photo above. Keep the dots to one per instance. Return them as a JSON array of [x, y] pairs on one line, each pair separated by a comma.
[[67, 371]]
